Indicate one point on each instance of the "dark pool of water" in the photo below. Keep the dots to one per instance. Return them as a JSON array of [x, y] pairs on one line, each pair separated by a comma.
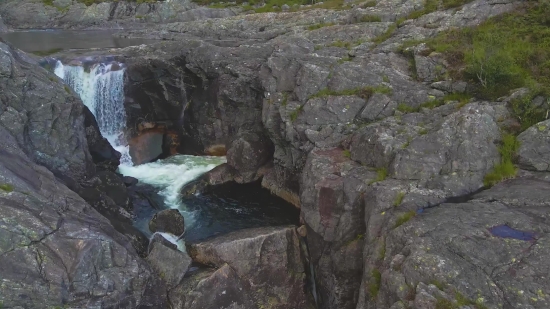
[[45, 42], [229, 208]]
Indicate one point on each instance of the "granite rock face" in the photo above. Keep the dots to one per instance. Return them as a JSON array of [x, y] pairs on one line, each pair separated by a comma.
[[72, 14], [56, 250]]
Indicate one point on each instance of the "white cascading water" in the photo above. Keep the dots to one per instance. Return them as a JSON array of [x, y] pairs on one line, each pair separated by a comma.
[[102, 91]]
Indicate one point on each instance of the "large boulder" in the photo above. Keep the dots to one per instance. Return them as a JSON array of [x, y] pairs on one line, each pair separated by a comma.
[[534, 149], [260, 267], [56, 251], [167, 261]]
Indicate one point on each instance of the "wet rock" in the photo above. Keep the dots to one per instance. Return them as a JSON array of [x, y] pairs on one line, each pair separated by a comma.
[[167, 261], [219, 175], [246, 154], [103, 154], [114, 188], [264, 266], [129, 181], [146, 147], [168, 221]]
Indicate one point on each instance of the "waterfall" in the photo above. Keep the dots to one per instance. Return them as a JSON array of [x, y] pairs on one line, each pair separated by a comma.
[[102, 91]]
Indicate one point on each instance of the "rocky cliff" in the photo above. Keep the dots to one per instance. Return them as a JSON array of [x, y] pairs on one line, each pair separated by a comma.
[[357, 122], [56, 250], [73, 14]]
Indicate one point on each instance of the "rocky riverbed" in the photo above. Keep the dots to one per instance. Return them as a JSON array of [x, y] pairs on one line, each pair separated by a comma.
[[327, 110]]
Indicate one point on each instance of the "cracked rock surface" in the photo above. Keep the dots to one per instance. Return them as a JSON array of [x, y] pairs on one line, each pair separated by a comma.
[[56, 250]]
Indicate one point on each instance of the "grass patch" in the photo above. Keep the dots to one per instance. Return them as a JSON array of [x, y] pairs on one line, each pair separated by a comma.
[[362, 92], [319, 26], [462, 98], [345, 59], [6, 187], [346, 153], [285, 99], [526, 113], [376, 281], [341, 44], [402, 219], [370, 19], [368, 4], [399, 199], [506, 168], [506, 52], [423, 131], [381, 175], [295, 113]]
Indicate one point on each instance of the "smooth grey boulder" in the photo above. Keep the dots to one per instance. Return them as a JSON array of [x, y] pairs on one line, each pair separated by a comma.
[[263, 267], [168, 221], [534, 148], [167, 261]]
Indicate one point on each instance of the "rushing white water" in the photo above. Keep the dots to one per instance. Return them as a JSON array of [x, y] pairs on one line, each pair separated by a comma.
[[170, 175], [102, 91]]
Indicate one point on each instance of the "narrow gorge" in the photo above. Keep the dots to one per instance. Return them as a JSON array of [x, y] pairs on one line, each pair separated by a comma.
[[332, 155]]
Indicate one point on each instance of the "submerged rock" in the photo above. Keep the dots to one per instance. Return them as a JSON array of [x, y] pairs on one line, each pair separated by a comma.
[[168, 221]]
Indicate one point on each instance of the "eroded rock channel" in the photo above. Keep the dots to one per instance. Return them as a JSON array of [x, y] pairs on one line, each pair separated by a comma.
[[317, 158]]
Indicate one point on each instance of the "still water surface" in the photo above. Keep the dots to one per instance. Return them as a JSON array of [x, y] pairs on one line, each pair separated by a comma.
[[44, 42]]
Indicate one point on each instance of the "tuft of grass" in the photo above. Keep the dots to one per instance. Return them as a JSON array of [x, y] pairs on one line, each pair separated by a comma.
[[346, 153], [6, 187], [362, 92], [404, 108], [386, 35], [374, 285], [370, 19], [462, 98], [67, 89], [423, 131], [295, 113], [381, 175], [368, 4], [319, 26], [506, 168], [399, 199], [341, 44], [345, 59], [285, 99], [443, 303], [402, 219]]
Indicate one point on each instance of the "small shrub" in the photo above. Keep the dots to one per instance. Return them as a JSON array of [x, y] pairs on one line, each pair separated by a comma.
[[341, 44], [294, 114], [527, 114]]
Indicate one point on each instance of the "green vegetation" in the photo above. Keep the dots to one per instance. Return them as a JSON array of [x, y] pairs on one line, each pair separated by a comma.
[[503, 53], [386, 35], [67, 89], [404, 218], [374, 286], [370, 19], [432, 6], [381, 175], [90, 2], [319, 26], [526, 113], [462, 98], [294, 114], [362, 92], [341, 44], [461, 301], [399, 199], [345, 59], [346, 153], [505, 169], [368, 4], [6, 187], [423, 131], [285, 99]]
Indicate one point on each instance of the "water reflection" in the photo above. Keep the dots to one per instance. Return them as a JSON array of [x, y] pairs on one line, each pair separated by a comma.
[[50, 41]]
